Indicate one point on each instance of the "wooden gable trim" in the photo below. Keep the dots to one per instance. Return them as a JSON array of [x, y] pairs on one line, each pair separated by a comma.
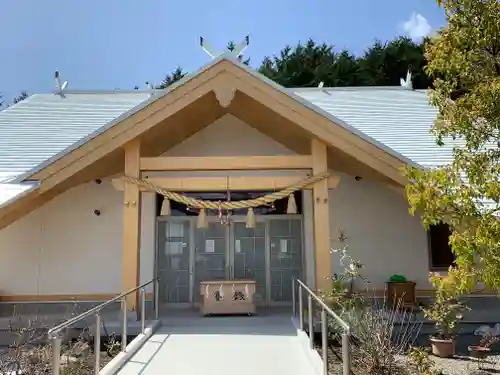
[[153, 112], [111, 141], [222, 76], [320, 126]]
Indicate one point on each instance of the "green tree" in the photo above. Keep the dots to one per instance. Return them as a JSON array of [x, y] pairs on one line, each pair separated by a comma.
[[23, 95], [385, 64], [173, 77], [465, 55], [303, 66], [306, 65]]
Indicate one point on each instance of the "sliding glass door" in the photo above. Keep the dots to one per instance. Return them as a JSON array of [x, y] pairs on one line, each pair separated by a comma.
[[270, 254]]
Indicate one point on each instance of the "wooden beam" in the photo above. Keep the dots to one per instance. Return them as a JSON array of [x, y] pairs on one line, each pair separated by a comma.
[[235, 183], [131, 225], [153, 113], [321, 127], [321, 218], [225, 163]]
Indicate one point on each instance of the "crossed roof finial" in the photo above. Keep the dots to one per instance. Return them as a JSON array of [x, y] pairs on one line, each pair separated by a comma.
[[237, 50]]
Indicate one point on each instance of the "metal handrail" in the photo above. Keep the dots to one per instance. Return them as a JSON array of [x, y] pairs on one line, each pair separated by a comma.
[[56, 340], [311, 296], [339, 320], [96, 309]]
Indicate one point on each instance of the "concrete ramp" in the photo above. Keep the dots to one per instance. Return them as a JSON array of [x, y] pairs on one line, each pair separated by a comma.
[[220, 346]]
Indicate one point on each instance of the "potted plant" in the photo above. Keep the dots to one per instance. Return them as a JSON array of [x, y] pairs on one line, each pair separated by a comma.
[[400, 291], [446, 312], [482, 350]]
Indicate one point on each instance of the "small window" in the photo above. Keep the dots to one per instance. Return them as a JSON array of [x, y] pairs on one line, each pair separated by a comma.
[[440, 254]]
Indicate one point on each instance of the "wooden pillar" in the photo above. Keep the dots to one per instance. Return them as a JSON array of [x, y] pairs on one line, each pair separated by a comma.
[[131, 224], [321, 219]]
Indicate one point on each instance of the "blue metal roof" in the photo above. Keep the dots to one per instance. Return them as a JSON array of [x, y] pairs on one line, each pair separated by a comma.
[[41, 126], [398, 118], [44, 127]]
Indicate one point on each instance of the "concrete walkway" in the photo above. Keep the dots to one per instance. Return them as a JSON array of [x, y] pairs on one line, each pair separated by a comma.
[[257, 345]]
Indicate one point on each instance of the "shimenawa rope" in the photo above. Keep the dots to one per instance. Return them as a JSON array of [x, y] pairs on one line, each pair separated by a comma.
[[250, 203]]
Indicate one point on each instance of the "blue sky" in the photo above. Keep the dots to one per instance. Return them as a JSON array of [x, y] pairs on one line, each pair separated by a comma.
[[107, 44]]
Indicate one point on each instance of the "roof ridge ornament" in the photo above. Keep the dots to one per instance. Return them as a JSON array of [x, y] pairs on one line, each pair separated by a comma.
[[151, 88], [324, 91], [407, 84], [236, 52], [60, 87]]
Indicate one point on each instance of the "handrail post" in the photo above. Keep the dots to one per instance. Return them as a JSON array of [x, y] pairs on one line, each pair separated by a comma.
[[124, 324], [294, 303], [324, 340], [53, 334], [143, 309], [311, 328], [56, 355], [346, 361], [97, 344], [157, 299], [301, 308]]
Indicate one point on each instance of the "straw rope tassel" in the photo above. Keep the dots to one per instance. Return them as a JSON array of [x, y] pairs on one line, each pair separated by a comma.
[[250, 223], [165, 207], [202, 219], [291, 207]]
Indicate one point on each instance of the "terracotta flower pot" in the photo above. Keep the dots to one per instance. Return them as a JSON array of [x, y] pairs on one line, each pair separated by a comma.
[[479, 352], [444, 348]]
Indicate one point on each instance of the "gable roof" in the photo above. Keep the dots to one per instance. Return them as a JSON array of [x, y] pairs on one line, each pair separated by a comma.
[[398, 118], [81, 116], [37, 129]]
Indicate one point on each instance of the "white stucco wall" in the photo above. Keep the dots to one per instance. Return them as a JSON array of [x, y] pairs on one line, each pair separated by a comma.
[[229, 136], [63, 248], [380, 232]]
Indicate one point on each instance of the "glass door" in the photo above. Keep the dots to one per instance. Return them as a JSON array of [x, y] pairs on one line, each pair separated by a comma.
[[211, 260], [270, 254], [248, 256], [285, 238], [173, 261]]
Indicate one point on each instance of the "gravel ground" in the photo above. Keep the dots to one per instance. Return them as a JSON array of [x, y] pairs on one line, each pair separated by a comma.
[[334, 363], [461, 364]]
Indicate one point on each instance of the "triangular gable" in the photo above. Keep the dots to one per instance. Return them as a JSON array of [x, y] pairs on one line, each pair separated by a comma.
[[155, 95], [223, 76]]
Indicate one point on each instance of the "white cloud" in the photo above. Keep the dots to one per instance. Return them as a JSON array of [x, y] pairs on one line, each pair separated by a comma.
[[417, 27]]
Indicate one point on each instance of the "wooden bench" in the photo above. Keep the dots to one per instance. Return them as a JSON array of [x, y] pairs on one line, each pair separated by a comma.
[[227, 297]]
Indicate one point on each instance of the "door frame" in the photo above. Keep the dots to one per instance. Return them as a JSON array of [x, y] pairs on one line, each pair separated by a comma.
[[229, 252], [160, 219], [302, 270]]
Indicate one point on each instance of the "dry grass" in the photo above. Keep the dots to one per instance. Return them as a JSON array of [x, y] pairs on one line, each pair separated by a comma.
[[30, 350]]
